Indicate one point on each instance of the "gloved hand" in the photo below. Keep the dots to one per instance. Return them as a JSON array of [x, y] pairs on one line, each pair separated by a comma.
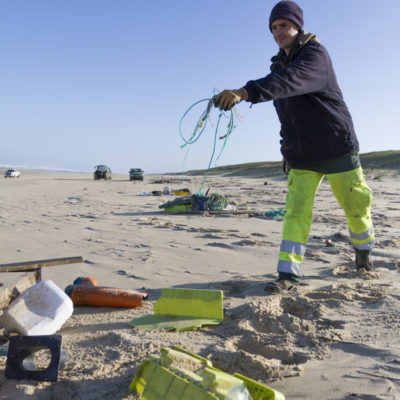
[[228, 98]]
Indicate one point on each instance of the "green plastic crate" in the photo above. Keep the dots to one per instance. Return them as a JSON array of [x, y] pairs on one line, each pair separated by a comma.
[[181, 375]]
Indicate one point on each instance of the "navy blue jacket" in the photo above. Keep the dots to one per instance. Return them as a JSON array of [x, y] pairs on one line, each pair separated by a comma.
[[315, 122]]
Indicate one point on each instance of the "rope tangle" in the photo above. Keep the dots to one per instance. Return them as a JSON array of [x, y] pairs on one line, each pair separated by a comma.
[[199, 129]]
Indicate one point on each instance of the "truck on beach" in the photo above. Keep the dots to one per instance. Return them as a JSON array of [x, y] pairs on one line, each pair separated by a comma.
[[135, 174], [102, 172]]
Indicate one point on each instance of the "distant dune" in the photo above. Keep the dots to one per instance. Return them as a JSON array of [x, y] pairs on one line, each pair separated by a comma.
[[381, 160]]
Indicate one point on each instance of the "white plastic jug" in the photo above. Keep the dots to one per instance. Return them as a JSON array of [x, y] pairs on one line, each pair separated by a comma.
[[40, 310]]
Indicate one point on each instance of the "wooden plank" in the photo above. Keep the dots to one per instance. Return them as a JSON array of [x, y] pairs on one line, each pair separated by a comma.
[[10, 292], [30, 265]]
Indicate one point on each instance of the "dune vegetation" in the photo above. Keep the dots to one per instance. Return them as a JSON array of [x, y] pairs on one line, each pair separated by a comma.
[[377, 163]]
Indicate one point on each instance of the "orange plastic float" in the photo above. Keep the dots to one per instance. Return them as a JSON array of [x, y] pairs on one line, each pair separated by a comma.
[[86, 292]]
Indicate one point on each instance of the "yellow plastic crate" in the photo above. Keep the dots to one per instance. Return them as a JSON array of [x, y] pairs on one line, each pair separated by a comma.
[[173, 376]]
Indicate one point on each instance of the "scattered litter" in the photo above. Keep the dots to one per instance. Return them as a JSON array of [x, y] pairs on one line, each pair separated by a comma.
[[85, 291], [41, 310], [152, 193], [276, 213], [182, 192], [21, 358], [331, 249], [178, 374], [164, 179], [198, 202], [167, 190], [183, 309], [329, 243]]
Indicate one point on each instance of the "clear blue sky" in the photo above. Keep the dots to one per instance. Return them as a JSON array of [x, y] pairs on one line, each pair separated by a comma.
[[85, 82]]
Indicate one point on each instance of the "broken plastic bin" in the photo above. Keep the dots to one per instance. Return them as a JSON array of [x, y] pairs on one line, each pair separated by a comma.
[[182, 309], [179, 375]]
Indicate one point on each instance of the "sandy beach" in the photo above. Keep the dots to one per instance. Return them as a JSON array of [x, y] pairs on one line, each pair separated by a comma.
[[334, 337]]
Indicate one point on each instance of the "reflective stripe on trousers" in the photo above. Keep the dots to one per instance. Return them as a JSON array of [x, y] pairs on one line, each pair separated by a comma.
[[351, 192]]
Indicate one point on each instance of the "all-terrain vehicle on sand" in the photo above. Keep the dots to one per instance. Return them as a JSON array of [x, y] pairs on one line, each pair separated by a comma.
[[102, 172], [135, 174]]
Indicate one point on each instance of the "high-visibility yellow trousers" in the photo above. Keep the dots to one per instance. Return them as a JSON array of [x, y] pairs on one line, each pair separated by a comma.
[[351, 192]]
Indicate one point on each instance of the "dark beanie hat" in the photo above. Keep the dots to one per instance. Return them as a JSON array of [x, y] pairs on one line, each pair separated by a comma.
[[287, 10]]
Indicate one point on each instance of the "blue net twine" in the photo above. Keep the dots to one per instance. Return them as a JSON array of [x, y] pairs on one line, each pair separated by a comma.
[[199, 130]]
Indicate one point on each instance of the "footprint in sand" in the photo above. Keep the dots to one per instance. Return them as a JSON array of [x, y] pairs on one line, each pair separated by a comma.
[[250, 242], [274, 336], [221, 245]]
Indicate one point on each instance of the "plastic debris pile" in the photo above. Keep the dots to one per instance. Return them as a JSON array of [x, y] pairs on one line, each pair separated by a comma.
[[197, 202]]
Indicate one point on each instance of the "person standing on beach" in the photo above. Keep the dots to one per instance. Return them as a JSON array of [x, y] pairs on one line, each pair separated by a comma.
[[317, 140]]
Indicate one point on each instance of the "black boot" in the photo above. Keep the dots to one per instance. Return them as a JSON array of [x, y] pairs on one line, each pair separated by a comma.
[[284, 283], [363, 261]]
